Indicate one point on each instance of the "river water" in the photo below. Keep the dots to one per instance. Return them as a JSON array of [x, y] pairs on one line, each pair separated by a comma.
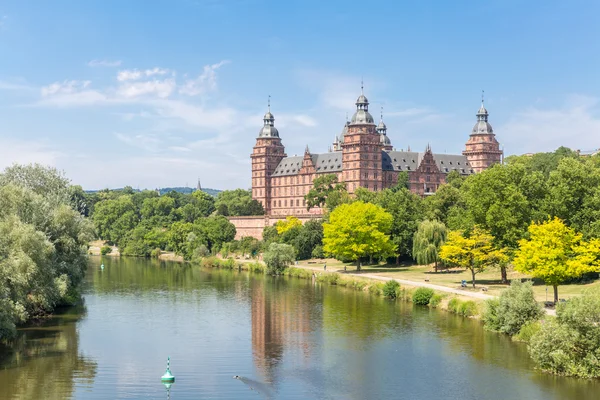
[[285, 338]]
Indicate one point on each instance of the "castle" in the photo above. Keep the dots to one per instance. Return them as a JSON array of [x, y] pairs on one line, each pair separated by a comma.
[[361, 156]]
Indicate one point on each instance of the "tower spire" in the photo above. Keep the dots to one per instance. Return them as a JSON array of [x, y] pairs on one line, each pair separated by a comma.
[[482, 93], [382, 113], [362, 86], [269, 103]]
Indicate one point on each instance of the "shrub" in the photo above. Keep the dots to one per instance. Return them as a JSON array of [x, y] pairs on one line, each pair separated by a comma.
[[422, 295], [405, 294], [256, 267], [435, 300], [156, 253], [390, 289], [468, 308], [209, 262], [376, 289], [454, 305], [331, 279], [514, 308], [527, 331], [104, 250], [278, 257], [570, 345]]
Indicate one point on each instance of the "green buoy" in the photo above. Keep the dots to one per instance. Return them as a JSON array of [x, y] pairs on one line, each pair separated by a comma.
[[168, 376], [102, 266]]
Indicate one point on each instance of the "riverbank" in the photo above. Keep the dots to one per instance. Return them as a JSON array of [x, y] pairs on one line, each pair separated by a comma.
[[95, 249]]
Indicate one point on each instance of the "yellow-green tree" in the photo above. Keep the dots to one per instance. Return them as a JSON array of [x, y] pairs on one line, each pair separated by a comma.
[[289, 223], [471, 250], [556, 253], [358, 230]]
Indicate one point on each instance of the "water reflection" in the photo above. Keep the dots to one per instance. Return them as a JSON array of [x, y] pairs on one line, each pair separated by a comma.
[[44, 362]]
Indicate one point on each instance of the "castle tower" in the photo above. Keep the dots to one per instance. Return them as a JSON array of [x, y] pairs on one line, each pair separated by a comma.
[[482, 149], [361, 150], [266, 155], [383, 137]]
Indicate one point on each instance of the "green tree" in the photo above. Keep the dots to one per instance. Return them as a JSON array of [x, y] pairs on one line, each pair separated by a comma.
[[237, 202], [309, 237], [115, 218], [406, 210], [471, 250], [555, 253], [278, 257], [216, 229], [323, 187], [290, 222], [515, 307], [158, 207], [428, 239], [358, 230]]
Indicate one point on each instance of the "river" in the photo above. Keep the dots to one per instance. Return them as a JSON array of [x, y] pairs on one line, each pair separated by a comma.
[[285, 338]]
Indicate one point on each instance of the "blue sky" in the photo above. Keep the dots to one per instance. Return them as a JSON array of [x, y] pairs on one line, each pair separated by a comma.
[[158, 93]]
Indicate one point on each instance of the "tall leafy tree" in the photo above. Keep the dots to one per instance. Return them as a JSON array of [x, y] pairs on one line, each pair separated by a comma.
[[428, 239], [556, 253], [278, 256], [471, 250], [323, 187], [358, 230], [237, 202], [115, 218]]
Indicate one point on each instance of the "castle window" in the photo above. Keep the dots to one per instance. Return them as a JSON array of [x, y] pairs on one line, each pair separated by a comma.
[[441, 162], [375, 187], [459, 163], [428, 169], [450, 162], [408, 168], [428, 178], [403, 160]]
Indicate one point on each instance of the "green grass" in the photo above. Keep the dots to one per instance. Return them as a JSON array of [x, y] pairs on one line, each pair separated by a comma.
[[452, 278]]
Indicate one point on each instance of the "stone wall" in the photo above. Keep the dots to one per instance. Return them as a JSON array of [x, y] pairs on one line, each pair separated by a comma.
[[254, 225]]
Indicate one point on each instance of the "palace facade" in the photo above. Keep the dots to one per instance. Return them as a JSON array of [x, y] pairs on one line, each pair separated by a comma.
[[361, 156]]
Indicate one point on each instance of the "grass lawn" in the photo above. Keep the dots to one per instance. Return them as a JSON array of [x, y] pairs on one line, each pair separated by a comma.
[[453, 277]]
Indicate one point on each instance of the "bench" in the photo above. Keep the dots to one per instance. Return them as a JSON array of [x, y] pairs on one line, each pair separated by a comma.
[[311, 262]]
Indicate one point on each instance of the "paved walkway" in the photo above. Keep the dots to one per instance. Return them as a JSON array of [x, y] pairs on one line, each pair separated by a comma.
[[440, 288]]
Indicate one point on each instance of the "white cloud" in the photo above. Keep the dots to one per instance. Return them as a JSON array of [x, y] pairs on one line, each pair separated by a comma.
[[179, 148], [205, 82], [104, 63], [16, 86], [148, 142], [573, 125], [65, 87], [159, 88], [135, 74]]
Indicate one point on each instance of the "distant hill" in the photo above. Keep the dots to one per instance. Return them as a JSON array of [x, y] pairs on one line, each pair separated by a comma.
[[185, 190]]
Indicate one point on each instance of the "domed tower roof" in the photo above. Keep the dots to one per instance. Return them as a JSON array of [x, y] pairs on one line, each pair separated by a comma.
[[268, 129], [362, 116], [482, 126], [381, 128]]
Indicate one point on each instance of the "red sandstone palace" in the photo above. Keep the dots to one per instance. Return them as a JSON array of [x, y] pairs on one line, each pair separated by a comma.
[[362, 156]]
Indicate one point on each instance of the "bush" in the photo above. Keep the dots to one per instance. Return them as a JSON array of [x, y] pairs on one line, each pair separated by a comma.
[[104, 250], [468, 308], [514, 308], [422, 295], [390, 289], [331, 279], [156, 253], [454, 305], [376, 289], [278, 257], [527, 331], [570, 345], [209, 262], [435, 300]]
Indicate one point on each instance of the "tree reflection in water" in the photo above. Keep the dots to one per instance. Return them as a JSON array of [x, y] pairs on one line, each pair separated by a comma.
[[44, 360]]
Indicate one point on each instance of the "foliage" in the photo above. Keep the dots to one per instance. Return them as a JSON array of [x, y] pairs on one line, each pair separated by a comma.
[[422, 296], [435, 300], [318, 252], [237, 202], [114, 218], [465, 308], [156, 253], [570, 345], [428, 239], [515, 307], [278, 257], [357, 230], [390, 289], [309, 237], [290, 222], [471, 250], [270, 234], [527, 331], [555, 253], [104, 250], [323, 187], [43, 242]]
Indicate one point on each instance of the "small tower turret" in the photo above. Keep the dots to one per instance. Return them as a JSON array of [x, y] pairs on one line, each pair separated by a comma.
[[482, 149]]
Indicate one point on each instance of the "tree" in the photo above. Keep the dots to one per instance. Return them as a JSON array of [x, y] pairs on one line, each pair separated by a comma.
[[555, 253], [160, 207], [216, 229], [290, 222], [406, 210], [323, 187], [471, 250], [278, 257], [309, 237], [237, 202], [428, 239], [115, 218], [357, 230]]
